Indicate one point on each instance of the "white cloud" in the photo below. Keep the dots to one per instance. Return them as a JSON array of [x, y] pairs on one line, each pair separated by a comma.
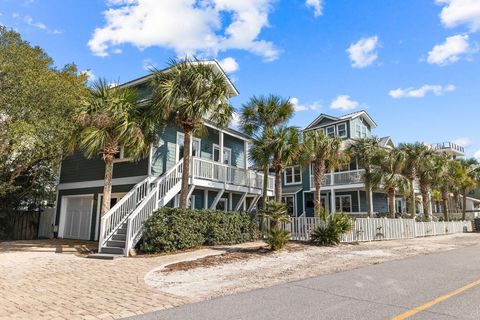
[[344, 103], [477, 155], [363, 53], [39, 25], [148, 64], [464, 142], [437, 90], [458, 12], [452, 50], [89, 73], [147, 23], [316, 5], [300, 107], [229, 65]]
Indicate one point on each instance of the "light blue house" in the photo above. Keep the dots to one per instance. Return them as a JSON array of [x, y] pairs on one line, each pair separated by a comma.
[[220, 179], [344, 190]]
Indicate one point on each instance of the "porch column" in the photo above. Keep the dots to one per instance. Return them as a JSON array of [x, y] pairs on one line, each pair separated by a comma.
[[220, 143], [371, 201], [359, 202], [430, 212], [245, 151], [205, 199], [332, 201], [421, 205]]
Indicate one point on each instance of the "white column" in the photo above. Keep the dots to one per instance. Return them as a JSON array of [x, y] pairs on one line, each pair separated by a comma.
[[230, 202], [332, 201], [430, 213], [205, 199], [421, 206], [245, 151], [371, 201], [220, 143], [359, 202]]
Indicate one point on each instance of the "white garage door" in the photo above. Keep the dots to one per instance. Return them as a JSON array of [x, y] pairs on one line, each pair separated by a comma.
[[77, 217]]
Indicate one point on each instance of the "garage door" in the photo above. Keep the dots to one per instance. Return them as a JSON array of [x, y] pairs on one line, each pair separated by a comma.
[[77, 214]]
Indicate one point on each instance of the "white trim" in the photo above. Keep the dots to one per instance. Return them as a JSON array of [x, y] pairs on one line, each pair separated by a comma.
[[293, 196], [63, 208], [99, 207], [122, 157], [100, 183], [192, 202], [293, 175], [334, 131], [177, 146], [150, 156]]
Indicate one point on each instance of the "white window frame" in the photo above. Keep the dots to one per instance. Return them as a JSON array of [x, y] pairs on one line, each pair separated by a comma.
[[225, 149], [122, 157], [328, 133], [181, 137], [192, 202], [364, 131], [338, 130], [338, 199], [358, 130], [293, 196], [293, 175]]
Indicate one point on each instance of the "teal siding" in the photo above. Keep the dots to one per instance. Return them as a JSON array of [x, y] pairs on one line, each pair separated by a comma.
[[163, 155], [207, 142], [238, 151], [77, 168]]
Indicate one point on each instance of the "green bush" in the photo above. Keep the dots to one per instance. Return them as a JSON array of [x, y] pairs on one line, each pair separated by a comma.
[[331, 228], [171, 229], [277, 238]]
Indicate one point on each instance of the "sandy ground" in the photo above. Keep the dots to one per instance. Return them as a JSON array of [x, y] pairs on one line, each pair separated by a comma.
[[300, 261]]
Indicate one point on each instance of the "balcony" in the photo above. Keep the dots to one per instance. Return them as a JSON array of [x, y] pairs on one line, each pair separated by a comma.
[[344, 178], [449, 148], [209, 173]]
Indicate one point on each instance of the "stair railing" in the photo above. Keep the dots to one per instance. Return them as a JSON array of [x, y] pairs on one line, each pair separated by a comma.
[[116, 216], [162, 186]]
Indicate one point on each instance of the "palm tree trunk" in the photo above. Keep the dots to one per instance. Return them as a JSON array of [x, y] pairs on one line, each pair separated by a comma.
[[368, 193], [424, 189], [391, 201], [456, 200], [413, 204], [445, 203], [107, 184], [318, 176], [265, 187], [278, 184], [464, 206], [187, 138]]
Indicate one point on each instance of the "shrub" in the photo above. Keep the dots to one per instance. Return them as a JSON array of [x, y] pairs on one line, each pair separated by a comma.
[[277, 238], [171, 229], [330, 229]]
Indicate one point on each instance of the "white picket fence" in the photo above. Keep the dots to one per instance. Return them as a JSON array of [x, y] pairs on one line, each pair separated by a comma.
[[371, 229]]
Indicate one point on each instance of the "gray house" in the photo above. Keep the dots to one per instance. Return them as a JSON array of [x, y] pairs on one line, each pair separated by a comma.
[[220, 179], [344, 190]]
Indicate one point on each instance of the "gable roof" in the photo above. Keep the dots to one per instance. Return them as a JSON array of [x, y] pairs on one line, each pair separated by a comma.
[[349, 116], [233, 90], [386, 142]]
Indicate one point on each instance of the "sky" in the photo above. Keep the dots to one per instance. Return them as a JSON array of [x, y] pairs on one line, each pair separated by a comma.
[[413, 65]]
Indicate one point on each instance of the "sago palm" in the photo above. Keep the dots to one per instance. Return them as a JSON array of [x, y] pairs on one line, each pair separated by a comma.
[[190, 93], [258, 116], [325, 153], [366, 152], [110, 120]]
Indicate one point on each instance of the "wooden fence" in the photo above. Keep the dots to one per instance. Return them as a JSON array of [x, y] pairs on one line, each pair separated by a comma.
[[372, 229]]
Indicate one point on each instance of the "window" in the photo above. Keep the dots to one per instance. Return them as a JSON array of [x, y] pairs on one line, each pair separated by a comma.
[[290, 203], [195, 147], [293, 175], [364, 132], [122, 155], [343, 203], [331, 131], [358, 131], [342, 130], [227, 154]]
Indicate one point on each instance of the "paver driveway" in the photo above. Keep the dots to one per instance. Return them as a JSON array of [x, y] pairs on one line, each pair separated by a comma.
[[48, 281]]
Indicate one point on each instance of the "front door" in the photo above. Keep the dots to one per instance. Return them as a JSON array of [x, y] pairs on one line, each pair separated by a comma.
[[290, 203], [77, 217]]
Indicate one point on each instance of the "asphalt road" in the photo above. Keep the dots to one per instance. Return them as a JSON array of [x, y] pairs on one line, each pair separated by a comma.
[[442, 286]]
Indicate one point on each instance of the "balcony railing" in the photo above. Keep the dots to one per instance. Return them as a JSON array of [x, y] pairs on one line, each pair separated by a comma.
[[218, 172], [341, 178], [448, 146]]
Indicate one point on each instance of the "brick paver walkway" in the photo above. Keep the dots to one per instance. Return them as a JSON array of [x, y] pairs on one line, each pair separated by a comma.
[[42, 283]]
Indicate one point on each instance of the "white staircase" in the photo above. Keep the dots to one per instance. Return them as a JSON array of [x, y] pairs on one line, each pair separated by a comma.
[[122, 226]]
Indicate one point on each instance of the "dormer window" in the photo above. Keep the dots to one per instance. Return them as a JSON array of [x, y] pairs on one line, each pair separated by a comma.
[[342, 130]]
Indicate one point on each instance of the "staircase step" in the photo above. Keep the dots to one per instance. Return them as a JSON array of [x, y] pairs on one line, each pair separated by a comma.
[[112, 250], [104, 256], [116, 243], [119, 237], [121, 231]]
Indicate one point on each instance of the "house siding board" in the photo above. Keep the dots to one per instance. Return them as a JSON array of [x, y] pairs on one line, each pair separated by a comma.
[[380, 202], [164, 153], [238, 151], [95, 191], [207, 142], [77, 168]]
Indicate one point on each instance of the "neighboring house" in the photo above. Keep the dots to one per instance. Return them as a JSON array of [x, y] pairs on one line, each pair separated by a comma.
[[344, 190], [220, 179]]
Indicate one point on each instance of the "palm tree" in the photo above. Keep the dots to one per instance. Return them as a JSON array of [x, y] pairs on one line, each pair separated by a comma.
[[366, 152], [257, 117], [389, 176], [110, 120], [189, 93], [284, 144], [444, 171], [325, 153], [261, 154], [414, 155], [469, 180], [426, 175]]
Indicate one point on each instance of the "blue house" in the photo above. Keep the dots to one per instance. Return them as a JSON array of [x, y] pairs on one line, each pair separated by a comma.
[[220, 179], [344, 190]]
